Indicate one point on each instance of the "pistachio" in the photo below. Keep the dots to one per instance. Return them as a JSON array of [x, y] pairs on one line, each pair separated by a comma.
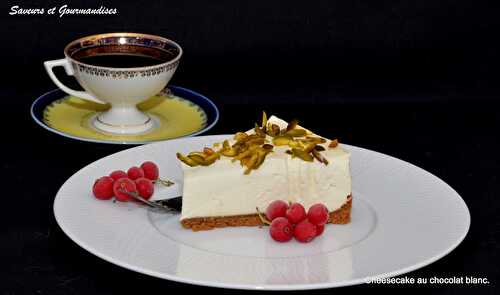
[[199, 154], [252, 161], [256, 141], [217, 144], [333, 143], [254, 136], [203, 159], [264, 121], [258, 131], [240, 147], [244, 154], [319, 148], [315, 139], [273, 130], [296, 132], [199, 159], [244, 161], [319, 157], [256, 159], [211, 159], [247, 142], [238, 144], [186, 160], [247, 138], [247, 171], [240, 136], [309, 147], [262, 153], [292, 124], [302, 154], [208, 151], [295, 144], [229, 152], [281, 140]]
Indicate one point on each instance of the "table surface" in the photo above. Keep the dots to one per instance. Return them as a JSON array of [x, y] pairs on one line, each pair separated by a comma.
[[457, 140]]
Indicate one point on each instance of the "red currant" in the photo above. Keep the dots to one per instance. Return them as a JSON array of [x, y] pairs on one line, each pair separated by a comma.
[[151, 170], [103, 188], [117, 174], [124, 184], [135, 172], [281, 229], [304, 231], [320, 229], [296, 213], [318, 214], [145, 187], [276, 209]]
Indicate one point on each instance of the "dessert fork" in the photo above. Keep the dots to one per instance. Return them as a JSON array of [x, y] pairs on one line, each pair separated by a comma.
[[172, 205]]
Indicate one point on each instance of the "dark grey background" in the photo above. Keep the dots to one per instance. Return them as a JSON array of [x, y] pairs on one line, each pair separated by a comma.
[[413, 79]]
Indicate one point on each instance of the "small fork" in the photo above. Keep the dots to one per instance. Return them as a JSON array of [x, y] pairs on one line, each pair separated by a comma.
[[172, 205]]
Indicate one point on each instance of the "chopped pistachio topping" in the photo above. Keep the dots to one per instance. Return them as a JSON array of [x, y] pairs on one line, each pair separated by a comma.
[[292, 125], [264, 121], [240, 136], [273, 130], [309, 147], [302, 154], [251, 149], [319, 148], [208, 151], [188, 161], [282, 140], [319, 157], [296, 132]]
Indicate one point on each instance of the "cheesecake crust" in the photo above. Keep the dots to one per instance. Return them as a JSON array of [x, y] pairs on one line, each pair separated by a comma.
[[339, 216]]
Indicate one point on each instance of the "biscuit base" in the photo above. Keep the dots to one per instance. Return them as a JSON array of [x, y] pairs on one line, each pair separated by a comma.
[[339, 216]]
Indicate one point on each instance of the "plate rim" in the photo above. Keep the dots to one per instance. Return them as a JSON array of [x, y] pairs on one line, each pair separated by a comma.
[[274, 287], [45, 126]]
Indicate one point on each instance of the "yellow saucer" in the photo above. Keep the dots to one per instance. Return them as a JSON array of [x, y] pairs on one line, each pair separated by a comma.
[[174, 117]]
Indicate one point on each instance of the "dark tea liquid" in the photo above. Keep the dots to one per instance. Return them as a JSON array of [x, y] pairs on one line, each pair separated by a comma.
[[121, 60], [127, 56]]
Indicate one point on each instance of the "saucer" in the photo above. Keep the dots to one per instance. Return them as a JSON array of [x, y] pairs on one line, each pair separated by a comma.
[[176, 112]]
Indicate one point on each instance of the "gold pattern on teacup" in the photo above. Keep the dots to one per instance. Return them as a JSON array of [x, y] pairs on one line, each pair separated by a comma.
[[123, 74]]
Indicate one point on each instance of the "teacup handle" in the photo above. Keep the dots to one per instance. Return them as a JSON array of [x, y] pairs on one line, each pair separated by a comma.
[[69, 71]]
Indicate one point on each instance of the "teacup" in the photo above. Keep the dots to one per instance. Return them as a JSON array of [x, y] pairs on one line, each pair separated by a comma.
[[120, 69]]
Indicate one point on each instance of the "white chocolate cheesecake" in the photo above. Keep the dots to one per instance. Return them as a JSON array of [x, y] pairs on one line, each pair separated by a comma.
[[223, 194]]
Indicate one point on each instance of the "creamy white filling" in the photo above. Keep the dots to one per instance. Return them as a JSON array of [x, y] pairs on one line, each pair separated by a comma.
[[222, 189]]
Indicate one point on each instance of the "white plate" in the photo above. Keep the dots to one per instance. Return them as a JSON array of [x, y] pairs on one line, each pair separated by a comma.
[[403, 218]]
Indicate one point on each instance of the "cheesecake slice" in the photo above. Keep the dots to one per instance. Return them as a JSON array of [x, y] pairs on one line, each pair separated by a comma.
[[227, 190]]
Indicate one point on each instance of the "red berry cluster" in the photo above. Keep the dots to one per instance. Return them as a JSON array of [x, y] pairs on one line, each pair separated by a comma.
[[288, 221], [138, 180]]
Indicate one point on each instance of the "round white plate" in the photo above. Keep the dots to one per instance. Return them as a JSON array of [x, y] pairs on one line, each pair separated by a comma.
[[403, 218]]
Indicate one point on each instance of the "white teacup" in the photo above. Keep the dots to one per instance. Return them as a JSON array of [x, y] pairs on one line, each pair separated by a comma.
[[121, 69]]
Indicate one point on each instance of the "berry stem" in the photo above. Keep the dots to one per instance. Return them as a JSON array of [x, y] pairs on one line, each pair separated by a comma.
[[164, 182], [262, 217]]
